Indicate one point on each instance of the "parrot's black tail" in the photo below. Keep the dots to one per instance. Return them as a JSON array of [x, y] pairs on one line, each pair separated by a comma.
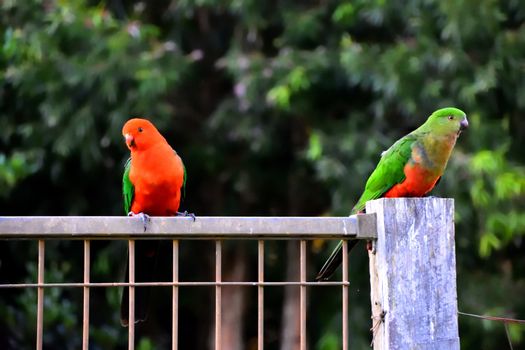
[[334, 261], [145, 261]]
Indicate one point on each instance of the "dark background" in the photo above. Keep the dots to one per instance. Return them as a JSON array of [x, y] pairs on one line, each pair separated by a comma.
[[277, 108]]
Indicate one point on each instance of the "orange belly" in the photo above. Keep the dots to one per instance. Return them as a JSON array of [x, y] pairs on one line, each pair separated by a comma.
[[418, 182], [158, 201], [158, 179]]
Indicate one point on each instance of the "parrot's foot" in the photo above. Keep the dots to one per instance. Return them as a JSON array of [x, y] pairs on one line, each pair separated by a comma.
[[185, 213], [143, 217]]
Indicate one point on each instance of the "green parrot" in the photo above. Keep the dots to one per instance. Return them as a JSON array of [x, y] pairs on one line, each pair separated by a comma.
[[411, 167]]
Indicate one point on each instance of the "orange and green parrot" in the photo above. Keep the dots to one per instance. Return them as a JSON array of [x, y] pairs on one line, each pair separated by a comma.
[[153, 184], [411, 167]]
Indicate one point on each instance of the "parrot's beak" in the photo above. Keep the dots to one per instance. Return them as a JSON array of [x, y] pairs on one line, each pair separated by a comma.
[[463, 124], [130, 141]]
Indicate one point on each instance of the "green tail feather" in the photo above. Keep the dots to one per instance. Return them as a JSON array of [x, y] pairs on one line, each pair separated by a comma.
[[334, 261], [145, 270]]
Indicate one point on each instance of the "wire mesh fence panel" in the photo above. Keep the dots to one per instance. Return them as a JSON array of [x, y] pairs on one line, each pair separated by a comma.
[[216, 230]]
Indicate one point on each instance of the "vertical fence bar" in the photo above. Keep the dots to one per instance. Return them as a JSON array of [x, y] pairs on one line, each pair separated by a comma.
[[175, 298], [40, 295], [260, 296], [303, 295], [218, 295], [131, 289], [345, 295], [85, 320]]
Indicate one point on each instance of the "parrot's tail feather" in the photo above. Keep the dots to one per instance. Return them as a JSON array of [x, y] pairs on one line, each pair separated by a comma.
[[145, 261], [334, 261]]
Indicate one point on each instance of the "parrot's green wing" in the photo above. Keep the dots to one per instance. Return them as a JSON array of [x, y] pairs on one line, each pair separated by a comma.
[[128, 190], [389, 171]]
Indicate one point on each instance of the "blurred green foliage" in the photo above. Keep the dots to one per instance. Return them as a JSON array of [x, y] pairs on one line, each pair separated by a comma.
[[277, 108]]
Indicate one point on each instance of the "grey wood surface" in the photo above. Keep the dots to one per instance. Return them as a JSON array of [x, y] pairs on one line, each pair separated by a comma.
[[413, 275]]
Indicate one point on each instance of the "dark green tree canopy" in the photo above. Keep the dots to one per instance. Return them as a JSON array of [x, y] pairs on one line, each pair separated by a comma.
[[277, 108]]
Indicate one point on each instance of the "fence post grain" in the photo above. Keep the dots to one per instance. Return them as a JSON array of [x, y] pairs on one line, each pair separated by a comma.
[[413, 274]]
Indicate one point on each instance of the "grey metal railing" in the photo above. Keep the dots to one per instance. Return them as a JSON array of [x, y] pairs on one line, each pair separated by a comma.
[[203, 228]]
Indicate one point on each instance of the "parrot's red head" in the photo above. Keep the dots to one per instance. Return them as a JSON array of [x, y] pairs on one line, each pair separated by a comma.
[[140, 134]]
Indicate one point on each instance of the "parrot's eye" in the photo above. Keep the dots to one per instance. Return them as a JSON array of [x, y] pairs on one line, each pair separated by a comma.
[[450, 117], [141, 130]]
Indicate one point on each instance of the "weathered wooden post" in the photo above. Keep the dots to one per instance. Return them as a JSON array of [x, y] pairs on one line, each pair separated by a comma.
[[413, 275]]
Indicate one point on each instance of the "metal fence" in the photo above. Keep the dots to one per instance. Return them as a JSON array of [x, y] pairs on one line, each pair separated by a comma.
[[215, 229]]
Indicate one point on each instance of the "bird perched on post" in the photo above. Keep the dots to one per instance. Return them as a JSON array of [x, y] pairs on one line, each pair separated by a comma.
[[411, 167], [153, 184]]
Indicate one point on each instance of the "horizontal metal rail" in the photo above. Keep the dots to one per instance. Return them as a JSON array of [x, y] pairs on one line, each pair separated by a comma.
[[361, 226], [170, 284]]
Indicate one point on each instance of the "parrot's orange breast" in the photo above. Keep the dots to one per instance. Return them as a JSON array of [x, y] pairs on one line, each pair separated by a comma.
[[418, 182], [157, 176]]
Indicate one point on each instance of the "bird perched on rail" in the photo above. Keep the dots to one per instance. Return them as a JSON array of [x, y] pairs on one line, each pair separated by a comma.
[[153, 184], [411, 167]]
